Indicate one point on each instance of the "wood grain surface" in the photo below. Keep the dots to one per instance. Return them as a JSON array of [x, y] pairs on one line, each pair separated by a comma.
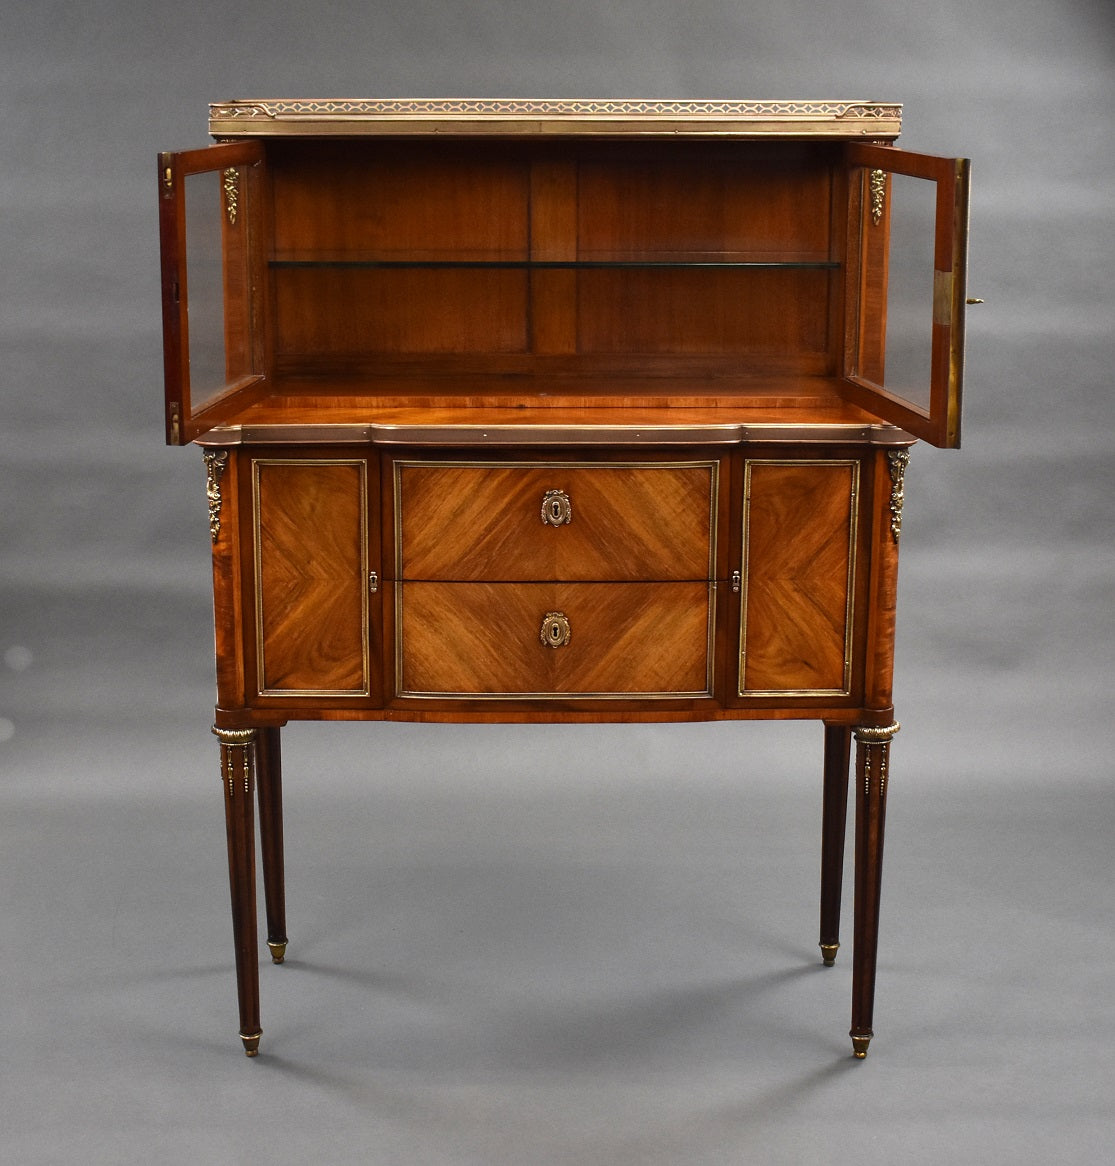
[[799, 537], [485, 639], [311, 576], [484, 521]]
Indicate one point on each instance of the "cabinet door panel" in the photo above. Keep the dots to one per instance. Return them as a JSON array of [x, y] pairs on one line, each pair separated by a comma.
[[799, 572], [485, 640], [907, 271], [311, 577], [211, 254]]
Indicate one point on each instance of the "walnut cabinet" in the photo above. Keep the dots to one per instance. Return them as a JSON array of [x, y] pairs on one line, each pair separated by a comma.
[[547, 411]]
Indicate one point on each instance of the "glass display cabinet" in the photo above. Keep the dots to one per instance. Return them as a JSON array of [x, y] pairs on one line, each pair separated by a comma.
[[558, 411]]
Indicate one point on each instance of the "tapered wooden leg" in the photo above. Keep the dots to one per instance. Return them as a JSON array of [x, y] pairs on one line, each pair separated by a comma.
[[872, 761], [269, 783], [834, 818], [237, 781]]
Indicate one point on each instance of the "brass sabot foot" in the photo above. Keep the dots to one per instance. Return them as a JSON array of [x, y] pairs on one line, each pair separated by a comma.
[[251, 1043], [860, 1043], [278, 951], [828, 953]]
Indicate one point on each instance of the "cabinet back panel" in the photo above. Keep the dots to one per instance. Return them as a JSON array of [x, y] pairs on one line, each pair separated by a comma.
[[355, 199], [356, 311], [735, 207], [757, 312], [348, 217]]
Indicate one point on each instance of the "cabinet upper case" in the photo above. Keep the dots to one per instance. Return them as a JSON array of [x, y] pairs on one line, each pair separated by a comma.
[[364, 269]]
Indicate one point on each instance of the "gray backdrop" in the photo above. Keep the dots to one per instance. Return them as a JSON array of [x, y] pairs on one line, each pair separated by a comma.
[[590, 945]]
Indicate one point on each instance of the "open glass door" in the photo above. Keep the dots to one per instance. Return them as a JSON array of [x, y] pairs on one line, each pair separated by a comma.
[[211, 278], [907, 253]]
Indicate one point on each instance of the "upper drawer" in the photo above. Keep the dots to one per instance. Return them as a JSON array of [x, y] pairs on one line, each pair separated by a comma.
[[524, 521]]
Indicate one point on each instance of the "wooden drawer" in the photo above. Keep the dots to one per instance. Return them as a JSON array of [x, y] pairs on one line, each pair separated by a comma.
[[520, 521], [503, 640]]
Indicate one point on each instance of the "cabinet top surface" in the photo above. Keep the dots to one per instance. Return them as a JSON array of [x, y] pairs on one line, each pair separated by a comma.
[[565, 117]]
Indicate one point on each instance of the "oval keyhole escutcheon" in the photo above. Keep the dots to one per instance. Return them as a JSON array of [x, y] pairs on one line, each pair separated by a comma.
[[557, 509], [556, 632]]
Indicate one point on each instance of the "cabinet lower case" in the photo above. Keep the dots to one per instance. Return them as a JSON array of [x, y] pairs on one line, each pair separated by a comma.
[[385, 583]]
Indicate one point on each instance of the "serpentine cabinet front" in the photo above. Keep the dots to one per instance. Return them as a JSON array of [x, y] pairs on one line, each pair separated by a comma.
[[554, 584]]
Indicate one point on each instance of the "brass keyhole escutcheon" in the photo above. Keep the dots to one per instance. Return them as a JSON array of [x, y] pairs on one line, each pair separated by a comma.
[[557, 509], [556, 632]]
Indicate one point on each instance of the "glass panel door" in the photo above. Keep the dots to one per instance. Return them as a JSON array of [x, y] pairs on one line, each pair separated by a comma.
[[907, 248], [210, 273]]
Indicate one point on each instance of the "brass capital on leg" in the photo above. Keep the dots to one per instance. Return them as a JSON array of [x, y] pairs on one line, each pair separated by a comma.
[[876, 734]]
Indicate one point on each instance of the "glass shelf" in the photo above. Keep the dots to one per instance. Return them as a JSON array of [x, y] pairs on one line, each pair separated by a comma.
[[487, 263]]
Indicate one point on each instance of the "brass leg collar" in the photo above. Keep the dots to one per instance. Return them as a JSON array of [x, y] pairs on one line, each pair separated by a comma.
[[234, 736], [876, 734]]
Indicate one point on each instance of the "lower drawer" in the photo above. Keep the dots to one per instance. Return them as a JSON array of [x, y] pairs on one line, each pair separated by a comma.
[[553, 640]]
